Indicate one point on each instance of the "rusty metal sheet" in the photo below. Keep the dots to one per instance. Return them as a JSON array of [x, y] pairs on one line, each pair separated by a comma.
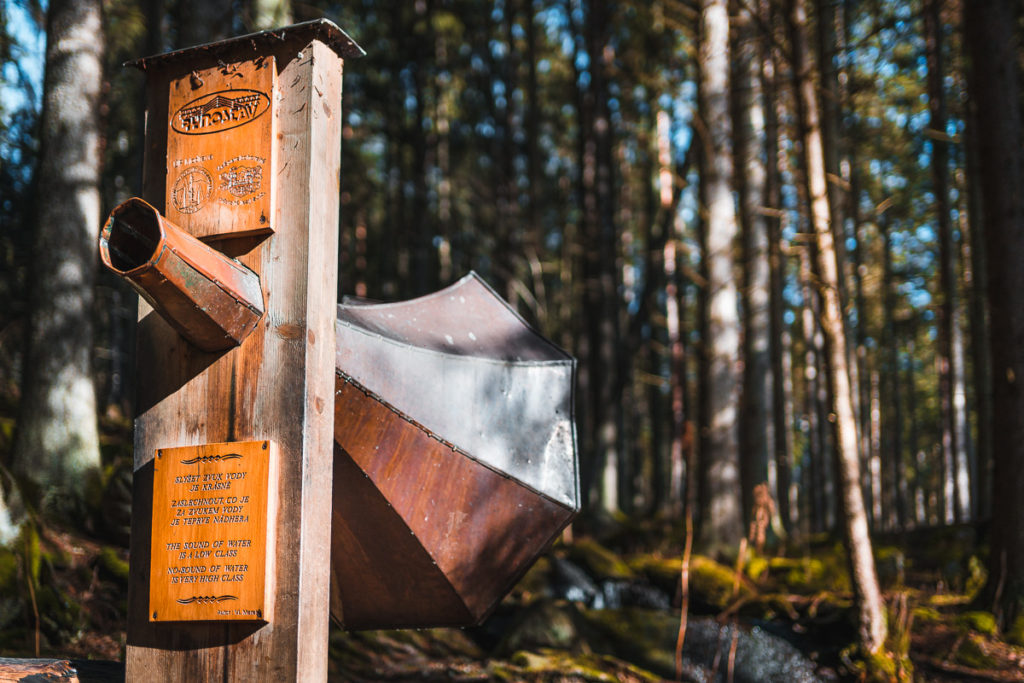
[[465, 366], [211, 300], [423, 535]]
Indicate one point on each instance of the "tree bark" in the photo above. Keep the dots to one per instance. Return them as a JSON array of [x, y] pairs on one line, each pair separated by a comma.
[[600, 276], [871, 625], [781, 375], [722, 522], [994, 89], [57, 443], [953, 499], [749, 117], [975, 277], [890, 414]]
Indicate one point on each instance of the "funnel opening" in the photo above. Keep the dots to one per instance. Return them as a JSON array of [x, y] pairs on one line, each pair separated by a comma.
[[132, 235]]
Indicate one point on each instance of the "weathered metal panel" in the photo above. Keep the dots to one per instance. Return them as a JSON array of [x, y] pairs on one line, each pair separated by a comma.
[[464, 365], [436, 514]]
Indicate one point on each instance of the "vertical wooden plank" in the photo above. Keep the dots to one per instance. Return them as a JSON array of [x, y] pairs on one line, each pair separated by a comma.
[[278, 385]]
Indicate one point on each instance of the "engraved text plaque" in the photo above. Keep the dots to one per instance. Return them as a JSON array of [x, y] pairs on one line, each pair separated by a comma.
[[212, 511]]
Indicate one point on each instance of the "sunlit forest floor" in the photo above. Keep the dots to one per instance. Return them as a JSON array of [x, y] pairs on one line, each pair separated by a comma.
[[602, 606]]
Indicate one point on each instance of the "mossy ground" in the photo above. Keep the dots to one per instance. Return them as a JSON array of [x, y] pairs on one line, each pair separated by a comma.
[[938, 634]]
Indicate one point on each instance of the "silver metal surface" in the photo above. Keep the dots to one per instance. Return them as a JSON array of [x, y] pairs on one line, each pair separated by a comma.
[[464, 365]]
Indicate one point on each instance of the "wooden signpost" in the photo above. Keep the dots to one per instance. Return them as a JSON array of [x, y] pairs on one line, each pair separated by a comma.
[[234, 447]]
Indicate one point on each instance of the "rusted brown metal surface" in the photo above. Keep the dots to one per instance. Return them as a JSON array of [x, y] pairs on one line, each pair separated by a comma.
[[210, 299], [455, 460]]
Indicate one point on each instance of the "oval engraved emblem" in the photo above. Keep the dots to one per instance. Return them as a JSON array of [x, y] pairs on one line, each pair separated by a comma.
[[220, 111]]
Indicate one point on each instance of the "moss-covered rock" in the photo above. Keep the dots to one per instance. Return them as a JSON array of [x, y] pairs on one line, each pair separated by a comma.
[[757, 566], [926, 615], [1015, 634], [711, 583], [600, 562], [548, 665], [545, 624], [110, 562], [644, 637], [660, 571], [982, 622], [648, 638], [823, 571]]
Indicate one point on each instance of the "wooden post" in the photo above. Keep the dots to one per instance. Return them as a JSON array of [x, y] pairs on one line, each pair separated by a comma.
[[277, 386]]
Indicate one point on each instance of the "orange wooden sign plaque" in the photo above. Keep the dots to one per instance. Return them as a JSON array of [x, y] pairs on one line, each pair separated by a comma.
[[220, 165], [209, 554]]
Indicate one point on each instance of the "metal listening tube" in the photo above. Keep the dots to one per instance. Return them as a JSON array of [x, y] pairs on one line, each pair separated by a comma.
[[213, 301]]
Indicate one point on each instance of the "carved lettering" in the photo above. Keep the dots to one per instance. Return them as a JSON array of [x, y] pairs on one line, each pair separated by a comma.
[[220, 111], [207, 530]]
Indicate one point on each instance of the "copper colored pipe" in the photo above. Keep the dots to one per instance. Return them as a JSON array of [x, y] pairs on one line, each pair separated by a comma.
[[212, 300]]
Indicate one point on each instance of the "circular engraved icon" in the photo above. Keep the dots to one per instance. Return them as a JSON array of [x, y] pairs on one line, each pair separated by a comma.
[[192, 188]]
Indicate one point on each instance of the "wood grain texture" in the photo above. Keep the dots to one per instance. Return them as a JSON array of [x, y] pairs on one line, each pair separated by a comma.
[[277, 385]]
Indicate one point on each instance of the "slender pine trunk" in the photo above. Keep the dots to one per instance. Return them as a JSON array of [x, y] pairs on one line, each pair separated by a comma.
[[871, 623]]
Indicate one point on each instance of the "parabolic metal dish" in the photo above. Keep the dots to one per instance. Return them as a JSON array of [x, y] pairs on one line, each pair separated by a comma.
[[455, 456]]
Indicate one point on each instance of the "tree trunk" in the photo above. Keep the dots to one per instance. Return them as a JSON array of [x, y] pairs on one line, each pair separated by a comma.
[[953, 500], [994, 88], [890, 414], [57, 443], [781, 370], [749, 118], [600, 275], [722, 522], [814, 457], [871, 624], [975, 278]]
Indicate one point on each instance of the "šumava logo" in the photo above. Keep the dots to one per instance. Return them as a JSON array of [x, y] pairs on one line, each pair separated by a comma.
[[220, 111]]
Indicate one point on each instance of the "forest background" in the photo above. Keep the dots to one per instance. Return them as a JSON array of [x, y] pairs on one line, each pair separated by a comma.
[[780, 237]]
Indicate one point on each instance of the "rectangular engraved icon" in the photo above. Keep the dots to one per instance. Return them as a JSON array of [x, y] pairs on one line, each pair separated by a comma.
[[213, 509], [220, 149]]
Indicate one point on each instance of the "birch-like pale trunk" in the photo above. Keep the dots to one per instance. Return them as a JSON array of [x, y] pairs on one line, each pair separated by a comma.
[[57, 442], [722, 521], [871, 624]]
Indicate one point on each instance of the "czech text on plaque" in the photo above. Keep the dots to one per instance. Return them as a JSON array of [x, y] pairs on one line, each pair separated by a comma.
[[212, 513]]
